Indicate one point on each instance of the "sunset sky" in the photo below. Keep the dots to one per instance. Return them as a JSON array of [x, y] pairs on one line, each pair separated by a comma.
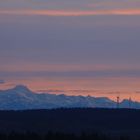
[[78, 47]]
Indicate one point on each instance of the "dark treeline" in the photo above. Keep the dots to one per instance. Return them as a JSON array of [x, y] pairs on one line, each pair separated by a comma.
[[107, 123], [75, 120], [58, 136]]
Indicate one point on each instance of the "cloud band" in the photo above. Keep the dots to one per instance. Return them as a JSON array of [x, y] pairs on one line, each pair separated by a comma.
[[71, 13]]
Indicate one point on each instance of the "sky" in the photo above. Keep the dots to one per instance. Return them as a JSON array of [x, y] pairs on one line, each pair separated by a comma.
[[74, 47]]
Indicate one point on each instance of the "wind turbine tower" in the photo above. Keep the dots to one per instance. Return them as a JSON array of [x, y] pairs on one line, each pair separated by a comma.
[[130, 101], [118, 102]]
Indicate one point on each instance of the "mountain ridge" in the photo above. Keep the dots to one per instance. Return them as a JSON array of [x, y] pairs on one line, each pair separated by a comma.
[[21, 98]]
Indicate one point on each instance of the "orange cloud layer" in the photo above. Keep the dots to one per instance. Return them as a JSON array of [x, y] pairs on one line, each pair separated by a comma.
[[71, 13]]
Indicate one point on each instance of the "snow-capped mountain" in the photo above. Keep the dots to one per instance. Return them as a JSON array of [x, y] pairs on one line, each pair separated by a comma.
[[20, 98]]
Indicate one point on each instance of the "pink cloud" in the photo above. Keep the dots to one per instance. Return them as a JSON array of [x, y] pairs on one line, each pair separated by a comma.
[[71, 12]]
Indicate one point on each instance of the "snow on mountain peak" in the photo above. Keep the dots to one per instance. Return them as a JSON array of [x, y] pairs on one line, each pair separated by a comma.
[[20, 97], [21, 88]]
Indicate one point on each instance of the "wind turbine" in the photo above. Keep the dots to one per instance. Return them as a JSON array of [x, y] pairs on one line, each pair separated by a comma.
[[130, 100], [118, 102]]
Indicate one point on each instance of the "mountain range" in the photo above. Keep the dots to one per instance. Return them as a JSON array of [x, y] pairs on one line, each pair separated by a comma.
[[22, 98]]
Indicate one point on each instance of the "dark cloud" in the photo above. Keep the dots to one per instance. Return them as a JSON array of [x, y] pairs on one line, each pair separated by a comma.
[[73, 4], [2, 82]]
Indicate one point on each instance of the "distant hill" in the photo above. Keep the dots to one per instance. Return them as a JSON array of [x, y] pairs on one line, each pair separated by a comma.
[[21, 98]]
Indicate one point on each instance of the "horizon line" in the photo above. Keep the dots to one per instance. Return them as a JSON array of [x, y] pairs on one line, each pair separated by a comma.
[[46, 92]]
